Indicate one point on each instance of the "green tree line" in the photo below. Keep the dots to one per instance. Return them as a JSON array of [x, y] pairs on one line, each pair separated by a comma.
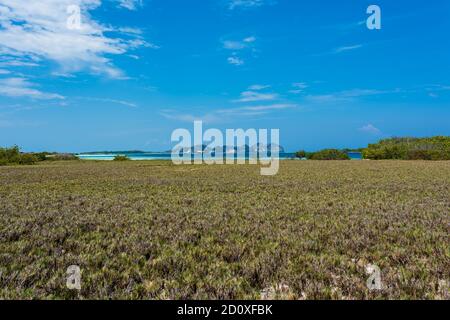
[[13, 156], [431, 148], [327, 154]]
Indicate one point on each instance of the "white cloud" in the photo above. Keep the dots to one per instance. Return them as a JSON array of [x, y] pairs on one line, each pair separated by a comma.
[[437, 87], [253, 96], [269, 107], [183, 117], [226, 114], [130, 4], [347, 95], [348, 48], [233, 45], [239, 44], [362, 92], [233, 4], [369, 128], [128, 30], [34, 30], [20, 87], [250, 39], [114, 101], [17, 63], [299, 87], [235, 61], [257, 87], [323, 98]]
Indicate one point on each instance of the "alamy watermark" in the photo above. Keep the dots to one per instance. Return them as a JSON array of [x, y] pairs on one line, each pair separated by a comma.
[[374, 281], [374, 20], [239, 147], [73, 281], [74, 19]]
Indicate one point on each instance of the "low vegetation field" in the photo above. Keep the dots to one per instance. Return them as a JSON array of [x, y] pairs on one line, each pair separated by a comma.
[[153, 230]]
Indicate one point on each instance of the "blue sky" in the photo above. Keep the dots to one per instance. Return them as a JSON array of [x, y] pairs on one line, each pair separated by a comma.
[[137, 70]]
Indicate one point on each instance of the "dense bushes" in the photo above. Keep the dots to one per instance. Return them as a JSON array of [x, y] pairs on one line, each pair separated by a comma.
[[28, 159], [11, 156], [121, 158], [327, 154], [301, 154], [435, 148]]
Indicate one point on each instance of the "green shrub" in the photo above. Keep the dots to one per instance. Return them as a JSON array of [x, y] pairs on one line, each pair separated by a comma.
[[300, 154], [13, 156], [434, 148], [28, 159], [419, 155], [329, 154], [121, 158], [40, 156], [9, 155]]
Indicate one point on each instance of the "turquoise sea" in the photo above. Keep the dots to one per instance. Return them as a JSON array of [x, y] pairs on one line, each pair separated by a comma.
[[167, 156], [148, 156]]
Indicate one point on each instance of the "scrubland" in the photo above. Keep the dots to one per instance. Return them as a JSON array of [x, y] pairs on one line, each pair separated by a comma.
[[153, 230]]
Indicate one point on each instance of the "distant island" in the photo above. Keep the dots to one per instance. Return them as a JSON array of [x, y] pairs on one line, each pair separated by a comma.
[[121, 152], [204, 148]]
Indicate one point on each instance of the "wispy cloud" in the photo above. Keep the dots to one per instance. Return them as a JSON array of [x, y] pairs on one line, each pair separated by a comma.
[[223, 115], [437, 87], [187, 117], [236, 46], [347, 48], [253, 96], [111, 101], [346, 26], [347, 95], [33, 30], [130, 4], [270, 107], [371, 129], [20, 87], [339, 50], [257, 87], [235, 4], [250, 39], [17, 63], [298, 87], [235, 61]]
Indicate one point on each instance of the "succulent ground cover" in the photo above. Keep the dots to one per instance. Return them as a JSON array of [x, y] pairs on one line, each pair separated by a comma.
[[153, 230]]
